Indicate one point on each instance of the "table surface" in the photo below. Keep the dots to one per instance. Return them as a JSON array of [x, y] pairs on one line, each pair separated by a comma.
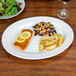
[[63, 64]]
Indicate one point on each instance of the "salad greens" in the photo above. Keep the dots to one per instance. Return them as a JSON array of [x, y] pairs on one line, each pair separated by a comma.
[[1, 9], [9, 7], [11, 2]]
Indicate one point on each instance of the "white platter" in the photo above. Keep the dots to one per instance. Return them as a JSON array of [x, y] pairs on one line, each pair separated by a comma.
[[22, 8], [32, 51]]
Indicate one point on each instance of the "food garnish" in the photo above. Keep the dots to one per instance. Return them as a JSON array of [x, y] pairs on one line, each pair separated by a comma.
[[19, 39], [25, 35]]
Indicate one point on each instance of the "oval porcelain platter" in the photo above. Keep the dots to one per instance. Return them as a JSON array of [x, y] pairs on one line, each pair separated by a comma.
[[32, 51]]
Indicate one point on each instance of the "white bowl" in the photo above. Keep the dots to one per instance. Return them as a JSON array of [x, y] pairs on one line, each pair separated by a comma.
[[22, 7]]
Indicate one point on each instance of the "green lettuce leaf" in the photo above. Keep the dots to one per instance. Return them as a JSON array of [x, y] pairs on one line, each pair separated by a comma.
[[1, 4], [8, 9], [13, 11], [11, 2], [1, 9], [3, 1], [5, 15]]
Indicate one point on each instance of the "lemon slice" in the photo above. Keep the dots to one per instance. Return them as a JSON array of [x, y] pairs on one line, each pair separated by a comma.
[[19, 39], [25, 35]]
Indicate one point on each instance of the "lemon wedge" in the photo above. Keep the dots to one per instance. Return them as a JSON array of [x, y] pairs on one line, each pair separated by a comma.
[[19, 39], [25, 35]]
